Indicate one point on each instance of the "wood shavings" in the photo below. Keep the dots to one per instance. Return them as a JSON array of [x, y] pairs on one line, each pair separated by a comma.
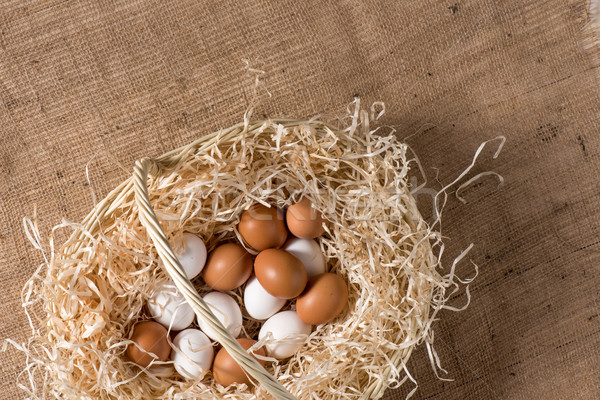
[[84, 299]]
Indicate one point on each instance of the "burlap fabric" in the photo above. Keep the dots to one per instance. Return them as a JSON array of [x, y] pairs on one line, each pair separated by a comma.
[[104, 83]]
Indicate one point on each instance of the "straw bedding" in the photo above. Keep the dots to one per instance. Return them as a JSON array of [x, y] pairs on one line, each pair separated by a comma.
[[90, 291]]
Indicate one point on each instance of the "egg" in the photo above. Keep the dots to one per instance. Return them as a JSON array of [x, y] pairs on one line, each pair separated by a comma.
[[304, 221], [309, 252], [287, 334], [258, 302], [227, 310], [228, 267], [150, 337], [262, 227], [227, 371], [193, 353], [193, 257], [323, 299], [281, 273], [168, 307]]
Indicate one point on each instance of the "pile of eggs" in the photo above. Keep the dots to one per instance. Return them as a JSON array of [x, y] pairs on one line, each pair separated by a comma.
[[286, 267]]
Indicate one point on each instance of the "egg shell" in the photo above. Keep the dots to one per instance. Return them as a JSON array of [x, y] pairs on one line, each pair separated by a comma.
[[288, 333], [193, 257], [227, 371], [309, 252], [262, 227], [152, 338], [227, 310], [228, 267], [280, 273], [258, 302], [304, 221], [168, 307], [324, 298], [193, 355]]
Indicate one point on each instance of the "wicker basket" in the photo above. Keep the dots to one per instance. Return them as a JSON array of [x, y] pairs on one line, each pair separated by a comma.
[[418, 280]]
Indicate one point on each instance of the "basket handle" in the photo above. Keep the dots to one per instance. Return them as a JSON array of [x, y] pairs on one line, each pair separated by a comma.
[[171, 264]]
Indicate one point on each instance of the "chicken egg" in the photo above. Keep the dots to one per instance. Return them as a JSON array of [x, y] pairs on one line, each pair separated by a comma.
[[323, 299], [151, 343], [193, 353], [281, 273], [309, 252], [168, 307], [228, 267], [258, 302], [262, 227], [227, 371], [193, 257], [304, 221], [287, 334], [226, 309]]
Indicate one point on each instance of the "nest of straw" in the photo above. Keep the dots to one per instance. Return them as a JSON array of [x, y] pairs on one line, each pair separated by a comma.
[[84, 300]]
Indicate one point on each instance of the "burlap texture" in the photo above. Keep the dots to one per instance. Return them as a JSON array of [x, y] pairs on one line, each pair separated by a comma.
[[105, 83]]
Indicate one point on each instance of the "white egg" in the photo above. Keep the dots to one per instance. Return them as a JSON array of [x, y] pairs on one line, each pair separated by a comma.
[[227, 310], [193, 355], [309, 252], [288, 334], [194, 255], [168, 307], [259, 303]]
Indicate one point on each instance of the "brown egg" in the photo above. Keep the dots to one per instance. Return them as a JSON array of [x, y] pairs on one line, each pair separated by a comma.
[[228, 267], [304, 221], [280, 273], [262, 227], [323, 299], [152, 337], [227, 371]]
